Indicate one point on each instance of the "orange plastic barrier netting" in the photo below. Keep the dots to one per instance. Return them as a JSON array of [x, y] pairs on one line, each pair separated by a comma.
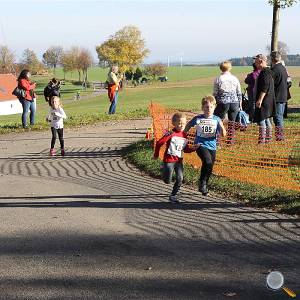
[[240, 156]]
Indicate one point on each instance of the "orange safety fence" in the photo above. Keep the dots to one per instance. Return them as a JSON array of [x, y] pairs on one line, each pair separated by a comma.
[[240, 156]]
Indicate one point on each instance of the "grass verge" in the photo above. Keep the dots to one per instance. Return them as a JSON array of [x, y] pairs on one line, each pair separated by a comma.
[[140, 154], [77, 121]]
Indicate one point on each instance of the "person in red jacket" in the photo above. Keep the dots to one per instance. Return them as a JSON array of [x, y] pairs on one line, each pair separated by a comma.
[[28, 102], [176, 143]]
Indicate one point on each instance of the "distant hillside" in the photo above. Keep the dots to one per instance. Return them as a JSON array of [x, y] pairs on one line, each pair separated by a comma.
[[290, 60]]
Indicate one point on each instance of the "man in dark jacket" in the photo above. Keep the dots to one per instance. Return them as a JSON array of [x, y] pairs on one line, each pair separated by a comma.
[[52, 89], [280, 77]]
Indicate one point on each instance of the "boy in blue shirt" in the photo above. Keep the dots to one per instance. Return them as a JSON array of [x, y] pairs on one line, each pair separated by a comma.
[[208, 127]]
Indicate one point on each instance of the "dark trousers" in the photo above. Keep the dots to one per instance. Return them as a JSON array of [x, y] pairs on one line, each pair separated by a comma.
[[208, 158], [60, 136], [250, 108], [167, 172], [232, 109]]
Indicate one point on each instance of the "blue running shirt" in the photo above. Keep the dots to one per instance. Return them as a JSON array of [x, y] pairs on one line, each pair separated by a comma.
[[207, 130]]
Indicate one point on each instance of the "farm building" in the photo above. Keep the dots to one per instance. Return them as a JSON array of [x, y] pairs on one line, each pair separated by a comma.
[[9, 104]]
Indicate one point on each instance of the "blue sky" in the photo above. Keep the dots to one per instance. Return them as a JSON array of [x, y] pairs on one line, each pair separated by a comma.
[[198, 31]]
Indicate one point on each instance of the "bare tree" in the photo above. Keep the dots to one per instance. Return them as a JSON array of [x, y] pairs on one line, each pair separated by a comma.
[[85, 60], [7, 60], [78, 59], [69, 61], [277, 4], [282, 48], [30, 61], [52, 56]]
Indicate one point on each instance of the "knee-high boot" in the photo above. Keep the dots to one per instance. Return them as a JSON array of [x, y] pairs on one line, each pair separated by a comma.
[[279, 135], [262, 135]]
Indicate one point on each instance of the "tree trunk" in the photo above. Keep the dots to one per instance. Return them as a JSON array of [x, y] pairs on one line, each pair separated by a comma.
[[85, 75], [275, 26]]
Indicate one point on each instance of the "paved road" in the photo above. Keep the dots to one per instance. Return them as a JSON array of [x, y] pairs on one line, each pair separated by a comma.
[[91, 226]]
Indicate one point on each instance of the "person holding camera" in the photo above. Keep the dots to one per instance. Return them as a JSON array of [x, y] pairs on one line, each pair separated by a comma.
[[28, 102], [52, 89], [114, 85]]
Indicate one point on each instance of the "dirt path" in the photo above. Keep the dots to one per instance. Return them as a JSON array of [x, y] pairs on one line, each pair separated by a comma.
[[91, 226]]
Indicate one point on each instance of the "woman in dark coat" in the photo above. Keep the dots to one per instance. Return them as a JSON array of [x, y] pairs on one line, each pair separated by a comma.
[[265, 99]]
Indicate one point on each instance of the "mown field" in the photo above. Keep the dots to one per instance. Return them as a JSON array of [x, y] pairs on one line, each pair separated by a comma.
[[183, 90]]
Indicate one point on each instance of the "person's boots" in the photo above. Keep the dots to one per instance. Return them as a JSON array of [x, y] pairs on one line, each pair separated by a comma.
[[262, 135], [268, 134], [279, 135], [231, 133]]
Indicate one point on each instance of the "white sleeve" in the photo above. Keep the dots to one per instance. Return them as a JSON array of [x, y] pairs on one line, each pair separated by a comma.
[[61, 113]]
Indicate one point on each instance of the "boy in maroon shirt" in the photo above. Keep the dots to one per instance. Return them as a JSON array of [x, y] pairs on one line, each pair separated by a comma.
[[176, 143]]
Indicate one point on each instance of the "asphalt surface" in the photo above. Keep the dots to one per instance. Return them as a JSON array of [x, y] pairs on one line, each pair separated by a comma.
[[91, 226]]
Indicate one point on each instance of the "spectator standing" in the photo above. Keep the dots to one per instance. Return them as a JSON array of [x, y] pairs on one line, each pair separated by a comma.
[[28, 102], [250, 81], [289, 96], [113, 88], [280, 77], [264, 96], [52, 89], [228, 94]]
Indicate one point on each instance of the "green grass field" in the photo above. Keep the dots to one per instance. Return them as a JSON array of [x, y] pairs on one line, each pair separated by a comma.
[[185, 88], [175, 74], [183, 75]]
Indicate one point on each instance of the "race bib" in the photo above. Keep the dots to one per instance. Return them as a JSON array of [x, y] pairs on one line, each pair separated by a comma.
[[177, 145], [206, 128]]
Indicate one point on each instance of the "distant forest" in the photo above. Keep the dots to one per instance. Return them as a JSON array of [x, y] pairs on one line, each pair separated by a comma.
[[290, 60]]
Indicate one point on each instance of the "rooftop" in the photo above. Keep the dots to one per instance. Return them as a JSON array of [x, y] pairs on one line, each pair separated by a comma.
[[8, 82]]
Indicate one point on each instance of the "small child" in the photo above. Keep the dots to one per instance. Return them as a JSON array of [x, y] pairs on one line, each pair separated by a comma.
[[176, 142], [208, 127], [55, 117]]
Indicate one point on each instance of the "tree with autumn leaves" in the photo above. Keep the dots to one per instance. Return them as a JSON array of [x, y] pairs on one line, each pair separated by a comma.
[[126, 48]]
